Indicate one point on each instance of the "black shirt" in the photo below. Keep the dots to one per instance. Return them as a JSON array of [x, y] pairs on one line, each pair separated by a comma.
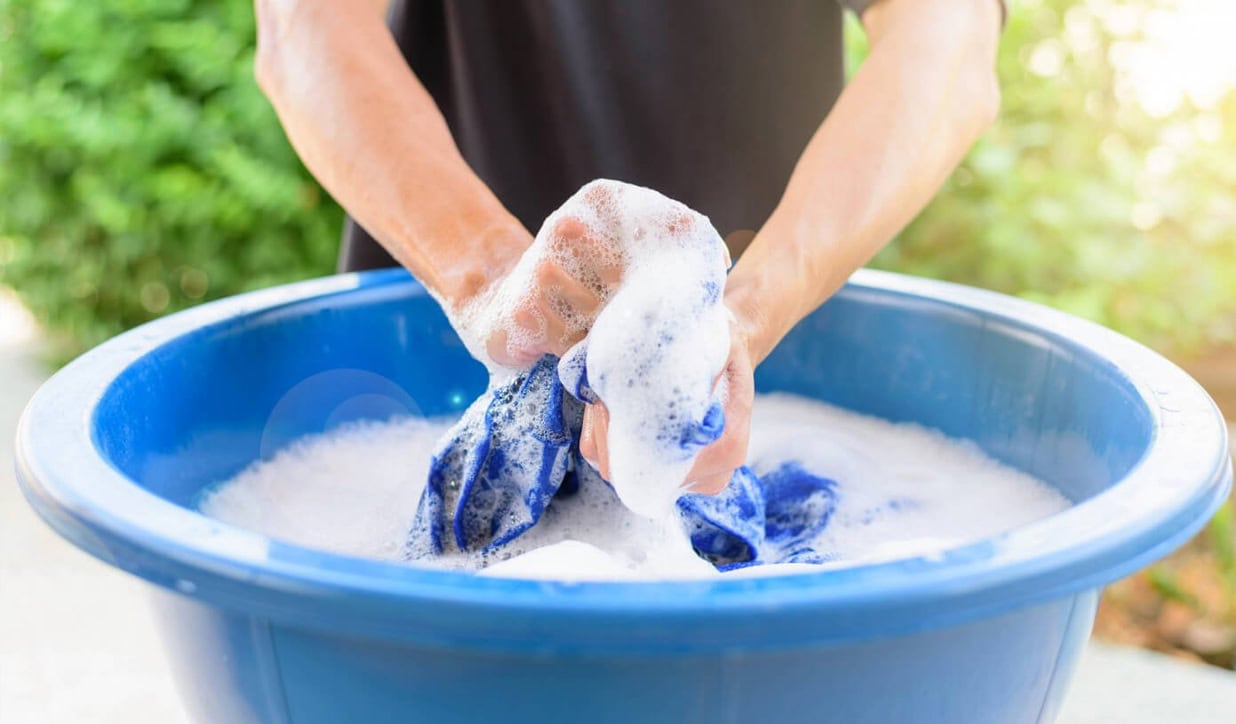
[[708, 102]]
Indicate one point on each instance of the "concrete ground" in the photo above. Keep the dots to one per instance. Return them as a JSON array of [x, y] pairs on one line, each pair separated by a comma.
[[77, 645]]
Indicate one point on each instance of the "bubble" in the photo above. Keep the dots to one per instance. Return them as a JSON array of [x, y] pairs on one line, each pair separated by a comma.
[[154, 297], [194, 283]]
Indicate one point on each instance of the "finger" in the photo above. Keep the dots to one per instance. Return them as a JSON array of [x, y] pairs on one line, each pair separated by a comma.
[[519, 340], [569, 306], [684, 222], [566, 232], [587, 438], [730, 451], [574, 297], [710, 485], [724, 456], [606, 275], [565, 294], [502, 352], [600, 425], [599, 192], [587, 255], [601, 199], [680, 222]]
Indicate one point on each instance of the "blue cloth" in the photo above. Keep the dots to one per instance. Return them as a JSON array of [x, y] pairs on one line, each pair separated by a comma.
[[517, 448], [761, 519], [500, 465]]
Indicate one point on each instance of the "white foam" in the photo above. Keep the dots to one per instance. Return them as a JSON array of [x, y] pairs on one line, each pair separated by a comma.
[[646, 359], [352, 491], [658, 341], [355, 491], [568, 560], [905, 489]]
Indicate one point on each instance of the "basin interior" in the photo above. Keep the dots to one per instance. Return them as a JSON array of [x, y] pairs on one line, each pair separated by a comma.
[[201, 407]]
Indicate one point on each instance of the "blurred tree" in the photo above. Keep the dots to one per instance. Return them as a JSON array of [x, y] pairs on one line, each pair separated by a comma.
[[141, 170], [1081, 198]]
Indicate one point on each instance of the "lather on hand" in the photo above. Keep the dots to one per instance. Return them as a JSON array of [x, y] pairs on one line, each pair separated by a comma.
[[551, 298]]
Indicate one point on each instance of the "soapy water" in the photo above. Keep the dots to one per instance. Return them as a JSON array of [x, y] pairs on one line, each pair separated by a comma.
[[661, 337], [902, 491]]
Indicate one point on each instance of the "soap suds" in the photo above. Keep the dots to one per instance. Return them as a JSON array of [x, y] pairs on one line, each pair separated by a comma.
[[352, 491], [661, 338], [903, 491]]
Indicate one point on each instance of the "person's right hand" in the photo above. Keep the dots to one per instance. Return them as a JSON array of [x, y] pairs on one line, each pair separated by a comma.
[[573, 270], [715, 464], [555, 292], [549, 301]]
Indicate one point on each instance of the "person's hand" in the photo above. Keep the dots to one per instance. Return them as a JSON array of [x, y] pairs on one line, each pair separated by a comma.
[[573, 270], [548, 301], [716, 464]]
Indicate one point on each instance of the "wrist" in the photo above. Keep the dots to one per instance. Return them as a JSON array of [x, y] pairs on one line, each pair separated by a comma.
[[471, 241], [788, 271], [479, 256], [746, 300]]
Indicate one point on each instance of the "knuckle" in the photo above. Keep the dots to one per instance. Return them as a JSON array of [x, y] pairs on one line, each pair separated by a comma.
[[526, 317], [598, 191], [546, 273], [568, 230]]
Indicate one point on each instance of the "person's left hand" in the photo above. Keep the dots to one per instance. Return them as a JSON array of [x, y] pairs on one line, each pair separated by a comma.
[[716, 463]]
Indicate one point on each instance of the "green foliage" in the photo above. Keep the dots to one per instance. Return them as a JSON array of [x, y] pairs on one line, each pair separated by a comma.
[[1080, 199], [141, 170]]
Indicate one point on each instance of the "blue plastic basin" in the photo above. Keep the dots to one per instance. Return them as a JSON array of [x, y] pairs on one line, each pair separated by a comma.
[[114, 448]]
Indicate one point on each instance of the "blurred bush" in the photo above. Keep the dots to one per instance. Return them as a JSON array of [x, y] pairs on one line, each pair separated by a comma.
[[1098, 191], [141, 170]]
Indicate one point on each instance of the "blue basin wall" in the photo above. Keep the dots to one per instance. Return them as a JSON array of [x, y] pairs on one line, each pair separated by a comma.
[[258, 630], [1011, 668]]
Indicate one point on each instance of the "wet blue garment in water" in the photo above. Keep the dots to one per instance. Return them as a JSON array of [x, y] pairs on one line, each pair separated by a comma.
[[770, 518], [499, 466], [516, 448]]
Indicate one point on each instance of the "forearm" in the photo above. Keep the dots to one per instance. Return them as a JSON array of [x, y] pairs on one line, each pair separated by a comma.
[[366, 128], [922, 97]]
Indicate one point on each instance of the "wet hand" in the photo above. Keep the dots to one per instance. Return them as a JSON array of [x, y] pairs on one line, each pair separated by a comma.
[[549, 301], [572, 272], [716, 463]]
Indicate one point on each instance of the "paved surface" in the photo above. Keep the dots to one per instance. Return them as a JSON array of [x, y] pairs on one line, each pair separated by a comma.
[[76, 644], [1119, 685]]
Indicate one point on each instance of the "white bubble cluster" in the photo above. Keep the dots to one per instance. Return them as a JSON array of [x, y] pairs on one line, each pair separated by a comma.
[[903, 491]]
